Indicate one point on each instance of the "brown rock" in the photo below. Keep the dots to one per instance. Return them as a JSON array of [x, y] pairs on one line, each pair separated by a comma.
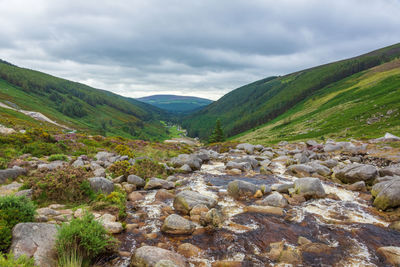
[[275, 250], [264, 209], [227, 264], [391, 254], [135, 196], [132, 226], [290, 255], [188, 250], [258, 194], [318, 248], [163, 195], [303, 241], [198, 209]]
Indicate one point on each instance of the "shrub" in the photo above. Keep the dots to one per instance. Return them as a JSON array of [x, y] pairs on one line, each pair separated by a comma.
[[115, 202], [58, 157], [8, 260], [13, 210], [147, 168], [39, 149], [120, 168], [82, 240], [124, 150], [68, 185]]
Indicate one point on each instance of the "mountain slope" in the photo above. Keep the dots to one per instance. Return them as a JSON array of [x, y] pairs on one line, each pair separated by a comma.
[[76, 105], [364, 105], [262, 101], [175, 103]]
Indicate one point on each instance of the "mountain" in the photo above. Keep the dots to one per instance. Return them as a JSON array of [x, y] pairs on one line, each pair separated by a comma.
[[267, 100], [176, 103], [73, 105]]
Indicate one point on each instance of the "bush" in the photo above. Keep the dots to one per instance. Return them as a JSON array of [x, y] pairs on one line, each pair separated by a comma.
[[115, 202], [124, 150], [58, 157], [147, 168], [120, 168], [68, 185], [39, 149], [7, 260], [13, 210], [82, 240]]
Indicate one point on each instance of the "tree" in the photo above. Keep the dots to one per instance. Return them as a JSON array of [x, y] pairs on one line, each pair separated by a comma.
[[218, 134]]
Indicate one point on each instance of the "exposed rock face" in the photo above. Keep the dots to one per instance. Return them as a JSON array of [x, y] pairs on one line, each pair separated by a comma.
[[391, 254], [356, 172], [156, 183], [275, 200], [100, 184], [148, 256], [186, 200], [193, 161], [35, 240], [241, 189], [309, 187], [136, 180], [175, 224], [387, 194], [11, 173]]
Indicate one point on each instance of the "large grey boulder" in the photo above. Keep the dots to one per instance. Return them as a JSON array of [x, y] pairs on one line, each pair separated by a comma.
[[149, 256], [320, 169], [157, 183], [100, 184], [78, 163], [301, 170], [35, 240], [11, 173], [175, 224], [52, 165], [243, 166], [203, 154], [356, 172], [241, 189], [309, 187], [390, 171], [387, 194], [332, 147], [275, 199], [251, 160], [248, 148], [104, 156], [194, 161], [186, 200], [136, 180]]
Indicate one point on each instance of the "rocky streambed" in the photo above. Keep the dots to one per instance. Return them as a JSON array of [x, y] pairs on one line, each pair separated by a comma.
[[257, 206]]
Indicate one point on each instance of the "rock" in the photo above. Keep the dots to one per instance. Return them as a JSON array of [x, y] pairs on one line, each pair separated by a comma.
[[282, 188], [356, 172], [227, 263], [163, 195], [312, 143], [100, 184], [199, 209], [358, 186], [264, 209], [47, 212], [241, 189], [35, 240], [135, 196], [149, 256], [251, 160], [78, 163], [317, 248], [188, 250], [320, 169], [165, 263], [26, 193], [185, 168], [193, 161], [156, 183], [113, 227], [129, 188], [387, 138], [387, 194], [301, 170], [99, 172], [332, 147], [390, 171], [330, 163], [391, 254], [104, 156], [244, 166], [395, 225], [203, 154], [213, 218], [11, 173], [309, 187], [234, 172], [274, 200], [265, 163], [52, 165], [175, 224], [10, 188], [136, 180], [186, 200], [268, 154], [248, 148]]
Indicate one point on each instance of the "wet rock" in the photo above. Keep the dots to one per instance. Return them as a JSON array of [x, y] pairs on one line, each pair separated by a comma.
[[11, 173], [243, 166], [156, 183], [309, 187], [317, 248], [282, 188], [248, 148], [264, 209], [358, 186], [391, 254], [290, 255], [199, 209], [241, 189], [356, 172], [52, 165], [188, 250], [186, 200], [135, 196], [395, 226], [193, 161], [387, 194], [35, 240], [100, 184], [390, 171], [175, 224], [212, 218], [163, 195], [275, 200], [136, 180], [148, 256]]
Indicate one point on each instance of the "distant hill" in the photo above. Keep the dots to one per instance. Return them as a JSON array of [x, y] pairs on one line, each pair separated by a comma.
[[176, 103], [74, 105], [366, 84]]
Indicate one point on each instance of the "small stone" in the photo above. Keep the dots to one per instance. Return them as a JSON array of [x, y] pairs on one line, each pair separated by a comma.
[[188, 250], [258, 194], [163, 195], [135, 196], [175, 224], [129, 188]]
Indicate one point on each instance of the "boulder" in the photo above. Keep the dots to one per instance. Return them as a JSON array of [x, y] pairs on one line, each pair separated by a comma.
[[135, 196], [213, 218], [175, 224], [185, 168], [309, 187], [320, 169], [136, 180], [356, 172], [358, 186], [26, 193], [282, 188], [251, 160], [275, 200], [78, 163], [104, 156], [100, 184], [149, 256], [330, 163], [390, 171], [35, 240], [11, 173], [193, 161], [332, 147], [10, 189], [391, 254], [241, 189], [243, 166], [387, 194], [157, 183], [301, 170], [248, 148], [52, 165], [186, 200], [163, 195], [99, 172], [188, 250]]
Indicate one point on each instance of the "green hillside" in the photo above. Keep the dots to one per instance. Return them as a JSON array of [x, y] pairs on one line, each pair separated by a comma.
[[74, 105], [263, 101], [176, 104]]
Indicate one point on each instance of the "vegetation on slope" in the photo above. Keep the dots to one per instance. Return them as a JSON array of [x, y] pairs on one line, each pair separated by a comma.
[[263, 101]]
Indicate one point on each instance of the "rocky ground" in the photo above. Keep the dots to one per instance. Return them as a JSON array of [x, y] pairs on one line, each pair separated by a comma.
[[305, 204]]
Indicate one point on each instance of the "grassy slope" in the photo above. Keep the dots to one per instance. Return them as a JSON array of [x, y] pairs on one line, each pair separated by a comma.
[[340, 110], [105, 118], [176, 104], [262, 101]]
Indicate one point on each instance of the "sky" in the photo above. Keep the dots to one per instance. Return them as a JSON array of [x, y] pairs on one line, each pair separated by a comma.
[[203, 48]]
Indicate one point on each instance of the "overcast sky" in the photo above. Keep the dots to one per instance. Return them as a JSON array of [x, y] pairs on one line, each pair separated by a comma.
[[203, 48]]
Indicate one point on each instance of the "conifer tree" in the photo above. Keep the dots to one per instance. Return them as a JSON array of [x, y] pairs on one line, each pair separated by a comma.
[[218, 134]]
